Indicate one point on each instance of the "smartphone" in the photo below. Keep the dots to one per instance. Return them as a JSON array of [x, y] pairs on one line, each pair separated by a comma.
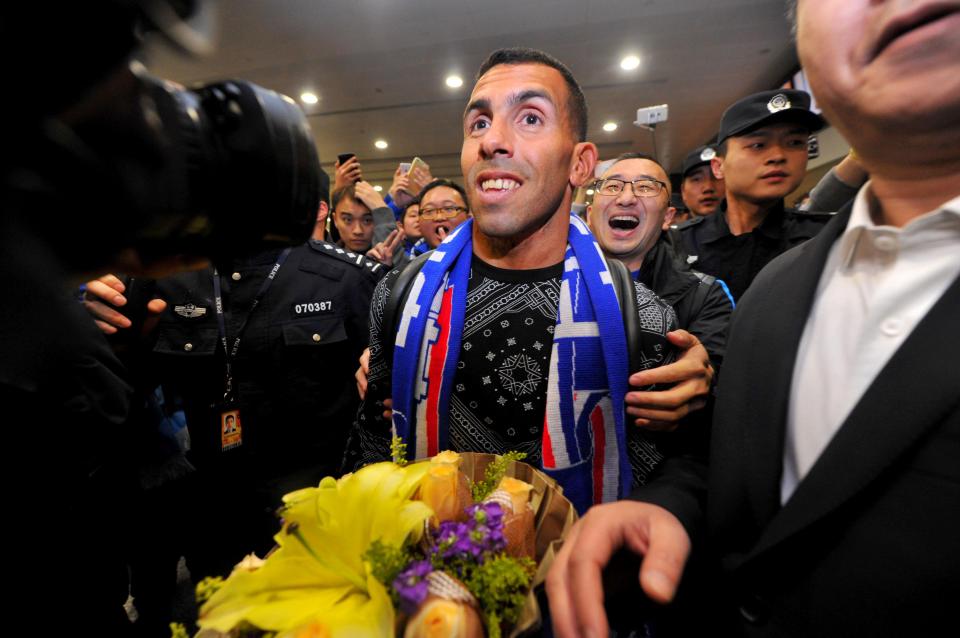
[[417, 162], [343, 157]]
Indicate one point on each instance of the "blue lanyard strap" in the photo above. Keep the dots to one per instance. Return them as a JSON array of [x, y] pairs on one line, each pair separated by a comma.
[[231, 352]]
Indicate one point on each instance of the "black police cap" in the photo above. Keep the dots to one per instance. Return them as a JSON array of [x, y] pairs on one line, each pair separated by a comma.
[[697, 157], [760, 108]]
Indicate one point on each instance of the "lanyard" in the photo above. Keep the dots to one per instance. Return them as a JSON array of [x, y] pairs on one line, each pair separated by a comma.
[[231, 352]]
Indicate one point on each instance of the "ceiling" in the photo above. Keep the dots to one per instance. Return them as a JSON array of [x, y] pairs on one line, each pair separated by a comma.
[[378, 66]]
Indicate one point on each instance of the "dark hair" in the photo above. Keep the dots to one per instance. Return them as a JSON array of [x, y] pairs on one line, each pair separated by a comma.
[[576, 102], [722, 147], [344, 192], [443, 182], [649, 158]]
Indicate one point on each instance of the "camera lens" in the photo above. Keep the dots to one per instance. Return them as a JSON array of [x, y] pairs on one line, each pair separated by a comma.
[[240, 170]]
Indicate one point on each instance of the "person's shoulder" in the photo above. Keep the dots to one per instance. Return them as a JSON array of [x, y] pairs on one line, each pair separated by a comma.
[[689, 224], [320, 252], [808, 217]]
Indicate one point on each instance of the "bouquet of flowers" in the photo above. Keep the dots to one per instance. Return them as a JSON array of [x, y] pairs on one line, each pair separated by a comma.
[[448, 546]]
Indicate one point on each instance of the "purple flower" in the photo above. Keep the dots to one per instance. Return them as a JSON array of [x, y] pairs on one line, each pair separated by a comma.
[[411, 585], [489, 514]]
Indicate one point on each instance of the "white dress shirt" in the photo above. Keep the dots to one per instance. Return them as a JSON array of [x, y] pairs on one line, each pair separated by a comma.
[[877, 284]]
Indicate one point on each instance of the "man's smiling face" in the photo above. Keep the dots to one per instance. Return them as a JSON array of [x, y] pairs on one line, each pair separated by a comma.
[[627, 226], [517, 149]]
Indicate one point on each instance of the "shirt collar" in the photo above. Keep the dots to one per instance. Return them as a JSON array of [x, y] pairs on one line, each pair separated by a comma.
[[861, 223]]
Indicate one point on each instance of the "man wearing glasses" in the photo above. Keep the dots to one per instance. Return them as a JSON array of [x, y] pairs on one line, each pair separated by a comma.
[[443, 207], [629, 210]]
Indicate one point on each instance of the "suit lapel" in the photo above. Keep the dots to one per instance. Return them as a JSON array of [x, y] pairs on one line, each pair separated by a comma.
[[782, 319], [916, 390]]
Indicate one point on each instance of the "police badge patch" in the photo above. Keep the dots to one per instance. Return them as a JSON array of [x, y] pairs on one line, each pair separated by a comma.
[[190, 311], [778, 102]]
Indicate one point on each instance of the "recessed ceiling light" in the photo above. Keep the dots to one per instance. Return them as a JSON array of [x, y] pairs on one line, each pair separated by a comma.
[[629, 63], [454, 81], [589, 191], [309, 98], [610, 127], [378, 188], [381, 144]]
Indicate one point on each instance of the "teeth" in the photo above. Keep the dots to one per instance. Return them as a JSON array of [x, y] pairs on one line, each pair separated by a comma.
[[624, 222], [499, 184]]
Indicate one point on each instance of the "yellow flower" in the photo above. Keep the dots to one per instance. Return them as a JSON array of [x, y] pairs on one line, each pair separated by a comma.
[[440, 618], [317, 574], [446, 491], [518, 490]]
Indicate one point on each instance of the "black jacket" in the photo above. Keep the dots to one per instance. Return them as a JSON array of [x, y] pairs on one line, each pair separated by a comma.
[[702, 306], [736, 259]]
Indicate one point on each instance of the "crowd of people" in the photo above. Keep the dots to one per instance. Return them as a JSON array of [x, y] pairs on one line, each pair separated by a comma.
[[758, 401]]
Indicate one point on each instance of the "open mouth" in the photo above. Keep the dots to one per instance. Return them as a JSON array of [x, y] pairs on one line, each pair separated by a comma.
[[624, 222], [499, 185], [913, 21]]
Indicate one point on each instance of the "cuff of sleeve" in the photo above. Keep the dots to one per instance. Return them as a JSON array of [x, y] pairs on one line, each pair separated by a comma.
[[397, 211]]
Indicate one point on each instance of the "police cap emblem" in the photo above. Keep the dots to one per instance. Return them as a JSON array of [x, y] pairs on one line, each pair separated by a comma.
[[707, 154], [778, 102]]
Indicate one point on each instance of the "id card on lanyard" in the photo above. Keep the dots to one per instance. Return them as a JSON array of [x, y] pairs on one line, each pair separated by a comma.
[[231, 428]]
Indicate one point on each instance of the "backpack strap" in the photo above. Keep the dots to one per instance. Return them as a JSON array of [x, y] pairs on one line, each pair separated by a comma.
[[627, 296], [399, 292]]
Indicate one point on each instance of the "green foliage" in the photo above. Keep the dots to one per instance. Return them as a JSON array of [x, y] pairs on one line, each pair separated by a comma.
[[398, 450], [494, 472], [500, 585], [207, 588], [386, 562]]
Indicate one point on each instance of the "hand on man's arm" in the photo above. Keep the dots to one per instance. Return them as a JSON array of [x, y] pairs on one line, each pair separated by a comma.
[[691, 375], [574, 583]]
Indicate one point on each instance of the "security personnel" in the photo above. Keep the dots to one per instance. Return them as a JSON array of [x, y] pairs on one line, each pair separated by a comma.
[[267, 388], [700, 189], [761, 156]]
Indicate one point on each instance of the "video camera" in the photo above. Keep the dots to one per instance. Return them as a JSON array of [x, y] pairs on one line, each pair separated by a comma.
[[114, 158]]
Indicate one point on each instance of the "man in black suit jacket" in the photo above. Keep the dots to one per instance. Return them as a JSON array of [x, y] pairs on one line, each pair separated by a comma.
[[832, 502]]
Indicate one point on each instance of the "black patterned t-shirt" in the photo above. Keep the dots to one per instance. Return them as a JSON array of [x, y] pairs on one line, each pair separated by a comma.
[[499, 392]]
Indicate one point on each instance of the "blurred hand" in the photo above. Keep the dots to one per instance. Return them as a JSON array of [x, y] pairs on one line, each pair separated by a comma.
[[368, 196], [105, 294], [346, 174], [691, 375], [385, 250], [402, 191], [362, 372], [574, 582]]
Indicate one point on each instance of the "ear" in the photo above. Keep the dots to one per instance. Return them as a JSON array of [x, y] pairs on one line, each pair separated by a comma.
[[322, 211], [589, 216], [716, 165], [668, 217], [582, 163]]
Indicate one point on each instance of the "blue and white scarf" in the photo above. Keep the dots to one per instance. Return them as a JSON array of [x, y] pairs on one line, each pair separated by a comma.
[[584, 441]]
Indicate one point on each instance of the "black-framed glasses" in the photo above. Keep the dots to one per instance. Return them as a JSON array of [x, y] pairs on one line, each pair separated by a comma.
[[646, 187], [444, 212]]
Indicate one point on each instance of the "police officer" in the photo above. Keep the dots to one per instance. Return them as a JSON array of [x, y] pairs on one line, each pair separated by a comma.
[[701, 190], [260, 353], [761, 156]]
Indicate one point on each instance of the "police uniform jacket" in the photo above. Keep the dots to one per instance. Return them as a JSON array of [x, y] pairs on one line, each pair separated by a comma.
[[736, 259], [294, 368]]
